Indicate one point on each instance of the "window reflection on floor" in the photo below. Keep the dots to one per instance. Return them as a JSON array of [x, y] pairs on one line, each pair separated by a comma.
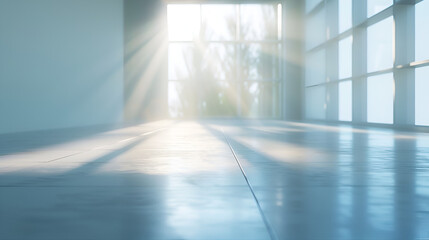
[[224, 60]]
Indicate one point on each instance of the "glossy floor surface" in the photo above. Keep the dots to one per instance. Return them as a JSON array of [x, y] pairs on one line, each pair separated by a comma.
[[181, 180]]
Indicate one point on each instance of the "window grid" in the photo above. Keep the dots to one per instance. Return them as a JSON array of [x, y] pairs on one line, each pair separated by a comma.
[[239, 42], [402, 68]]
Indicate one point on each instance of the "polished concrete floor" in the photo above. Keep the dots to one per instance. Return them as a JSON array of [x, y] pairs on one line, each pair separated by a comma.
[[215, 180]]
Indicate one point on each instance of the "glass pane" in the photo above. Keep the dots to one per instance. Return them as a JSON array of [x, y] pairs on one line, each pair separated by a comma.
[[345, 15], [380, 45], [345, 101], [376, 6], [258, 21], [219, 62], [316, 29], [345, 58], [310, 4], [315, 68], [183, 21], [259, 99], [259, 61], [315, 106], [219, 22], [217, 98], [422, 30], [422, 96], [181, 61], [380, 98]]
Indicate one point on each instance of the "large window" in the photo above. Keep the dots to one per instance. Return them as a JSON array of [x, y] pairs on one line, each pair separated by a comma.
[[367, 61], [224, 60], [360, 59]]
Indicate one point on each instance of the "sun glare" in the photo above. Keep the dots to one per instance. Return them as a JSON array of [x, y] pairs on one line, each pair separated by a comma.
[[224, 59], [183, 21]]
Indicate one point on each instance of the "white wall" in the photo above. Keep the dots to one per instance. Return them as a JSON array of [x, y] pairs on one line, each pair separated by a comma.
[[61, 63]]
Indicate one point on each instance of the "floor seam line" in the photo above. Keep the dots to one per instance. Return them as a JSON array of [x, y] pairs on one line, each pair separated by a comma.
[[264, 218]]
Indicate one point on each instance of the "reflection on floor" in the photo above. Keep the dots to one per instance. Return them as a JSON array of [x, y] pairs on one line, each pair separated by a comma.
[[179, 180]]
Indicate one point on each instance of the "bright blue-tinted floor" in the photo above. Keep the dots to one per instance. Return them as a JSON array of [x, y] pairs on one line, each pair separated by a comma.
[[180, 180]]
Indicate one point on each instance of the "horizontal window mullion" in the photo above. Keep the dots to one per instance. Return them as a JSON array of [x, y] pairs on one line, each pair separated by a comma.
[[423, 63]]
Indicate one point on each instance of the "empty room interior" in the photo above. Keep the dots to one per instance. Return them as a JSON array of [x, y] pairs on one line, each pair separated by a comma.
[[214, 119]]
